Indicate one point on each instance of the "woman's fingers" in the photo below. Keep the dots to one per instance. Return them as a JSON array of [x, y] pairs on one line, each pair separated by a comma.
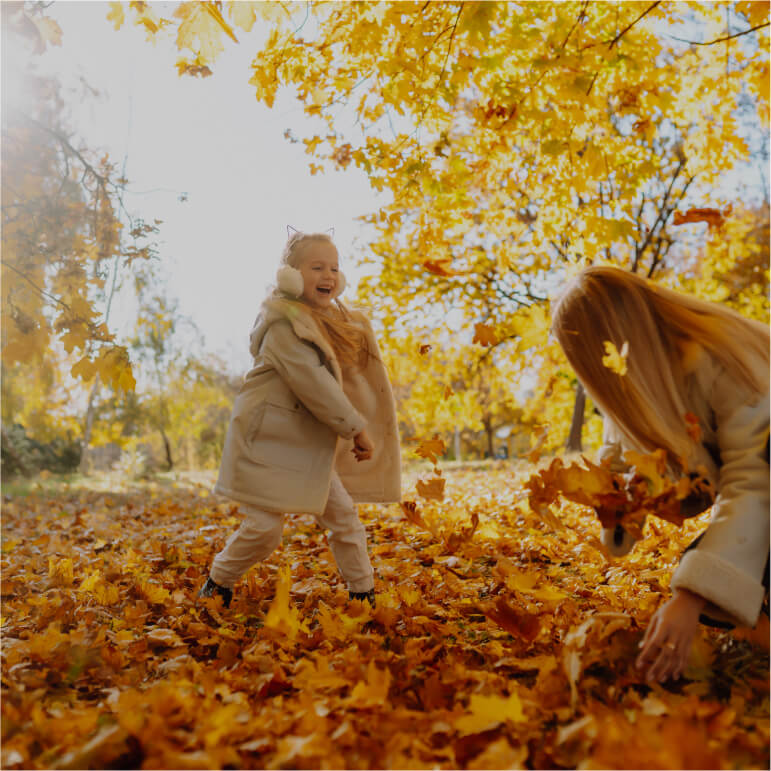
[[666, 662], [649, 644]]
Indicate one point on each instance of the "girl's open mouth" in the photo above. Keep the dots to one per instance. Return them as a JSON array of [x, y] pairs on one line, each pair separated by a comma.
[[324, 290]]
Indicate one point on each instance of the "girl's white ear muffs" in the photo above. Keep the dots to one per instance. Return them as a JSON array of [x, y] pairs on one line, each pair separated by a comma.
[[341, 283], [290, 281]]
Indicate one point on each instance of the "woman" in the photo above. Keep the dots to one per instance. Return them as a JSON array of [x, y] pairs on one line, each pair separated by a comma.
[[684, 356]]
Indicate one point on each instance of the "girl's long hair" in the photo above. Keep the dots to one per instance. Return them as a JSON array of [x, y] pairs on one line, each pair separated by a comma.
[[347, 340], [649, 402]]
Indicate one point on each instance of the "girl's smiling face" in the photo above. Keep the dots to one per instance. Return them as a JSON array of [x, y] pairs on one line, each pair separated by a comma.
[[320, 272]]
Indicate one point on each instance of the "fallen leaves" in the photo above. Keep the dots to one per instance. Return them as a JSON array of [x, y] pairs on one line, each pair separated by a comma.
[[495, 642]]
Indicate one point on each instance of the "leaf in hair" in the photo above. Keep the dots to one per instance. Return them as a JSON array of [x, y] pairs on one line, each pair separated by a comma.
[[614, 359]]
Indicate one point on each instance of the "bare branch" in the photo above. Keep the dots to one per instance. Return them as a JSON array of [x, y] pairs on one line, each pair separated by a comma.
[[629, 26], [721, 39]]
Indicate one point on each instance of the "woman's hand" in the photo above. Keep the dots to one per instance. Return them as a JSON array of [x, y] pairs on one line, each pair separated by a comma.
[[667, 641], [362, 446]]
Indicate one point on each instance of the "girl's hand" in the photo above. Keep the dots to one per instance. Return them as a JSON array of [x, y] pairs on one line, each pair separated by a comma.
[[362, 446], [667, 641]]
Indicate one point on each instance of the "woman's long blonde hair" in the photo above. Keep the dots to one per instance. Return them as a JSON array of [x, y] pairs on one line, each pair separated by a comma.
[[347, 340], [649, 402]]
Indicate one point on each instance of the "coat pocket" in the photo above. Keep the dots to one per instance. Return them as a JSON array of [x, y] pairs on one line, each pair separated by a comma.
[[281, 437]]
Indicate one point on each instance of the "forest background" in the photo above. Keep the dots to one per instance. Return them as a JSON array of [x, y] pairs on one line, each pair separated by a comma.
[[471, 158], [498, 166]]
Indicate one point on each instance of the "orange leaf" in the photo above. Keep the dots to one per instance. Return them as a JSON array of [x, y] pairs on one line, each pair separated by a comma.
[[484, 335], [441, 268], [523, 625], [431, 488], [431, 449], [713, 217]]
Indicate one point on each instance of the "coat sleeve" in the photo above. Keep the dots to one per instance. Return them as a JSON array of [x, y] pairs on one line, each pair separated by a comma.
[[612, 449], [312, 383], [726, 566]]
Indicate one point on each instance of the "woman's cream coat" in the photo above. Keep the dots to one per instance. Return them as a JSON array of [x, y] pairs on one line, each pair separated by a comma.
[[726, 566], [295, 417]]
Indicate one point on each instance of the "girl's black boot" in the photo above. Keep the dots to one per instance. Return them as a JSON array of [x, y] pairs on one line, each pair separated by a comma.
[[369, 596], [209, 589]]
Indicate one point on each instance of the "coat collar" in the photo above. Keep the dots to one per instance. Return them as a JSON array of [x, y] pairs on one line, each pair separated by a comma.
[[303, 324]]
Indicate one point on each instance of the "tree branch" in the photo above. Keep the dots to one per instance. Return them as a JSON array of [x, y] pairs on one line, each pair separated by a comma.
[[629, 26], [721, 39], [581, 15]]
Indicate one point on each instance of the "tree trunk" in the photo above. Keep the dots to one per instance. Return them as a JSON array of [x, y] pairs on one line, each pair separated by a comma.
[[488, 424], [167, 446], [577, 424], [456, 443], [85, 461]]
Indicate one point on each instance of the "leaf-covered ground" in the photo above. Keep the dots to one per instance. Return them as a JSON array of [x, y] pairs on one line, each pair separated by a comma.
[[513, 647]]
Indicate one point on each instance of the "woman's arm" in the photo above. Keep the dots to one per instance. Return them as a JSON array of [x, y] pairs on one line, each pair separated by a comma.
[[314, 385], [726, 566]]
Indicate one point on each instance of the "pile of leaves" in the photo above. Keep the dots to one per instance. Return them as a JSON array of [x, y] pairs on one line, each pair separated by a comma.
[[499, 640]]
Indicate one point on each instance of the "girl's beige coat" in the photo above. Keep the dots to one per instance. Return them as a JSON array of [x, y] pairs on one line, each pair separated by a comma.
[[295, 417]]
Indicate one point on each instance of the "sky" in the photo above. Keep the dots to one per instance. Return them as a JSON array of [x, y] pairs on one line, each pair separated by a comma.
[[210, 140]]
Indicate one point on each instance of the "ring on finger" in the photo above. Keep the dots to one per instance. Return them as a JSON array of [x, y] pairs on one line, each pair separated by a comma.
[[670, 646]]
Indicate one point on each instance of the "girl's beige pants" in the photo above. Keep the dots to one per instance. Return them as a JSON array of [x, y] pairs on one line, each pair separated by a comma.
[[260, 534]]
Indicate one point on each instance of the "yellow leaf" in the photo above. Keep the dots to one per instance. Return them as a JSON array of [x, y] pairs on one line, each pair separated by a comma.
[[116, 15], [372, 692], [61, 571], [243, 13], [486, 712], [431, 449], [282, 616], [614, 359]]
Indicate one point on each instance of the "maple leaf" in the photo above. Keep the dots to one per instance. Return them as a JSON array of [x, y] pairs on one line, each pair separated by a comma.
[[282, 616], [486, 712], [441, 268], [484, 335], [524, 626], [713, 217], [372, 692], [614, 359], [651, 466], [61, 571], [431, 488], [431, 449], [462, 535]]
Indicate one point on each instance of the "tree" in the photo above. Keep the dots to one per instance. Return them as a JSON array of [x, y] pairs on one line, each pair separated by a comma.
[[517, 141], [63, 227]]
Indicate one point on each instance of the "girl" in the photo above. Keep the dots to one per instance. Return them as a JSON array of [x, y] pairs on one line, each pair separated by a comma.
[[684, 356], [314, 425]]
